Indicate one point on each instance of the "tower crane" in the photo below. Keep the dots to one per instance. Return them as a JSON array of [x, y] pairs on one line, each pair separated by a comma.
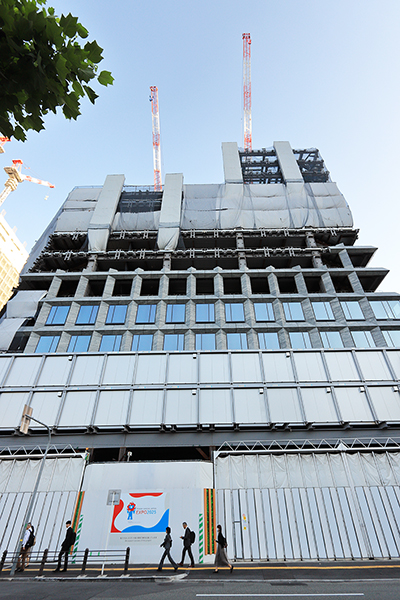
[[15, 177], [155, 119], [247, 90], [3, 140]]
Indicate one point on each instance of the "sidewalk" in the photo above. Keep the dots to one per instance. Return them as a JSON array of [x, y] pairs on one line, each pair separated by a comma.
[[327, 570]]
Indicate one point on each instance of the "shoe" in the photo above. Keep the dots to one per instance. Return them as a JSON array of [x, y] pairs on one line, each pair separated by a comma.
[[215, 571], [231, 568], [180, 564], [56, 571], [192, 566], [63, 570]]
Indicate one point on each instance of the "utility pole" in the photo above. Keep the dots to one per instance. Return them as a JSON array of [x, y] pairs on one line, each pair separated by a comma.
[[25, 421]]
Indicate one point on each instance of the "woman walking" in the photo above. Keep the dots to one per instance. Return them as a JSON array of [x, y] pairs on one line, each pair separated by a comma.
[[167, 543], [221, 559]]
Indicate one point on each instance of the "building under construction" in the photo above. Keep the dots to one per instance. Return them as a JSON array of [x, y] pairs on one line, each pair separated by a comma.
[[207, 352]]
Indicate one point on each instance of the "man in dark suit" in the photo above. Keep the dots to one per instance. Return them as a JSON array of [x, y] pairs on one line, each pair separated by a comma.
[[66, 546], [187, 542]]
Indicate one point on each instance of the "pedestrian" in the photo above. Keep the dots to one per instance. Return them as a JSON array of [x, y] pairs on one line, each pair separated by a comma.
[[221, 559], [70, 537], [167, 544], [27, 542], [187, 542]]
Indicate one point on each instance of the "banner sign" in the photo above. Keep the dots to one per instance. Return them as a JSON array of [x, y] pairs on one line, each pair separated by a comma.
[[146, 512]]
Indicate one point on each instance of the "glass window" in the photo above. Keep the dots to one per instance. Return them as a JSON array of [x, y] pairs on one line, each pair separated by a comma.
[[331, 339], [146, 313], [110, 343], [205, 313], [293, 311], [234, 313], [175, 313], [205, 341], [264, 311], [142, 342], [236, 341], [352, 310], [386, 309], [323, 311], [300, 339], [79, 343], [57, 315], [174, 341], [363, 339], [268, 341], [87, 314], [47, 343], [116, 314], [392, 338]]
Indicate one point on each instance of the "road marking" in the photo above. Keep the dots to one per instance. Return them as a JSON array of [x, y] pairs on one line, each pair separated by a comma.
[[275, 595]]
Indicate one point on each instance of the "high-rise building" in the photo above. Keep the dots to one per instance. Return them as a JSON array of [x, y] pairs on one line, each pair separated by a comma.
[[202, 352], [13, 256]]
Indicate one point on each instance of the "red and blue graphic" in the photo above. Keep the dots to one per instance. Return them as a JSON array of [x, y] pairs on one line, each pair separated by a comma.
[[147, 513]]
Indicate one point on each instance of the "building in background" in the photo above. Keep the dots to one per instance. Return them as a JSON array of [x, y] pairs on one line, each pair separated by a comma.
[[13, 256], [207, 351]]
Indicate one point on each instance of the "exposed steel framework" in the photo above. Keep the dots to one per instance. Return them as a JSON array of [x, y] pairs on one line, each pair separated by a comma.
[[3, 140], [155, 118], [247, 90]]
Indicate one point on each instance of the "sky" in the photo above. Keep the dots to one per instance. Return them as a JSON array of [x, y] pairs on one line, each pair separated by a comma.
[[325, 74]]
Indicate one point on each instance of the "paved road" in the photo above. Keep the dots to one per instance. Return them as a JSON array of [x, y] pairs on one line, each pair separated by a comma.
[[190, 589]]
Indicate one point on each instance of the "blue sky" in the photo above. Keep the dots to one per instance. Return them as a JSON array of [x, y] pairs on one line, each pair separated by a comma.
[[325, 74]]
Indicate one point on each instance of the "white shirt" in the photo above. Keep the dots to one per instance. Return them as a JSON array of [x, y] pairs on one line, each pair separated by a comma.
[[26, 536]]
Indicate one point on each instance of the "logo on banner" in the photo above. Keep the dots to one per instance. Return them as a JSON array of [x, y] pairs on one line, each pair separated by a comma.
[[148, 513]]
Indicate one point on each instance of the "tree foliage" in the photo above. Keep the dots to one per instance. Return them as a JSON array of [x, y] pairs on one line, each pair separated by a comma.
[[43, 65]]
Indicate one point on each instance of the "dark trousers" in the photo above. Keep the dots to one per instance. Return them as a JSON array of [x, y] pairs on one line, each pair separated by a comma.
[[65, 552], [171, 560], [22, 558], [189, 551]]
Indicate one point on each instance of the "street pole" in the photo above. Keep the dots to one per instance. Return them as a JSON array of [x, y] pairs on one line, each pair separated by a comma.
[[25, 417]]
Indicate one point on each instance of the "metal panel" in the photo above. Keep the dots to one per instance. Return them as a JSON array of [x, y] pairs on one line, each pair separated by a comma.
[[55, 371], [147, 407], [294, 537], [112, 409], [215, 406], [237, 526], [309, 366], [324, 522], [373, 365], [386, 401], [214, 368], [299, 516], [260, 523], [315, 520], [45, 408], [284, 405], [244, 521], [283, 514], [276, 524], [87, 370], [277, 368], [181, 407], [11, 405], [249, 406], [334, 523], [318, 405], [383, 522], [252, 525], [182, 368], [119, 369], [369, 523], [77, 410], [23, 371], [353, 405], [269, 530], [4, 364], [151, 368], [229, 524], [341, 366], [246, 367], [394, 358]]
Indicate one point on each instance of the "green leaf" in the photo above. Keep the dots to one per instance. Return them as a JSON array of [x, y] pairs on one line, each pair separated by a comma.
[[91, 94], [94, 51], [105, 78]]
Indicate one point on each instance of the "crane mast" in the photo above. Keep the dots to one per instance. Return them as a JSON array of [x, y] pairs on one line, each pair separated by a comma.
[[15, 177], [247, 90], [3, 140], [155, 118]]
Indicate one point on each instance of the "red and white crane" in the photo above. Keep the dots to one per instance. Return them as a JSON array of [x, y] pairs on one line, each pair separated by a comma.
[[155, 118], [3, 140], [15, 177], [247, 90]]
